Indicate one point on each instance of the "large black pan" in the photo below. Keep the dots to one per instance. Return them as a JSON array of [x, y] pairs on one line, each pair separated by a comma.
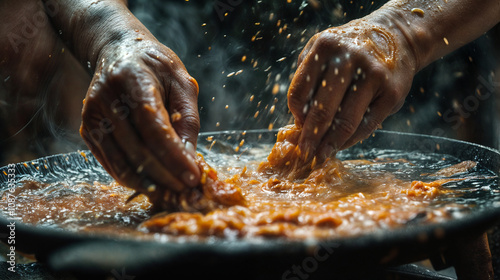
[[263, 259]]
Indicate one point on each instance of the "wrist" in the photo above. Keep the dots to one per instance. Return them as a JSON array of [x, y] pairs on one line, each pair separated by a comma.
[[414, 42], [94, 29]]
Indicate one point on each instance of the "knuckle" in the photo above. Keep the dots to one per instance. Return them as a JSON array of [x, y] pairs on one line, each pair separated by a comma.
[[90, 114], [192, 122], [324, 42], [345, 126], [370, 124], [296, 106], [320, 116], [377, 72], [393, 96], [193, 85], [121, 69]]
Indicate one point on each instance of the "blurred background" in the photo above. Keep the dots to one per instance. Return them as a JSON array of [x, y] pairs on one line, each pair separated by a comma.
[[243, 55]]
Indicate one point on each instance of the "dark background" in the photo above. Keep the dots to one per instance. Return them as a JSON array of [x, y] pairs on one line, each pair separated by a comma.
[[270, 34]]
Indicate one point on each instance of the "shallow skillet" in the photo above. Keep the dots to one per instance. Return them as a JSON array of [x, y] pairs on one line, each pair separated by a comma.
[[262, 259]]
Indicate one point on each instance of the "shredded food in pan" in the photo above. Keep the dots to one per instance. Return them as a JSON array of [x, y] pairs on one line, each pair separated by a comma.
[[280, 197]]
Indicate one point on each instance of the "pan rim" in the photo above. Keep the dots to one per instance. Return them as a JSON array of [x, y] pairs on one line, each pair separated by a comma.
[[436, 232]]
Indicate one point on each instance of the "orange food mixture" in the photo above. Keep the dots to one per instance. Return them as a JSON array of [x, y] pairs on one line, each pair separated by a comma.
[[286, 197], [280, 197]]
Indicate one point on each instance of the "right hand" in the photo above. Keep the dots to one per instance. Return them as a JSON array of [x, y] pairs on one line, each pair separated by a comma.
[[140, 118], [349, 79]]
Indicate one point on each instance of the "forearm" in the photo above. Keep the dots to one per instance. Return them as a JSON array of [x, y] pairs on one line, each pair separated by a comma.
[[88, 26], [27, 45], [435, 28]]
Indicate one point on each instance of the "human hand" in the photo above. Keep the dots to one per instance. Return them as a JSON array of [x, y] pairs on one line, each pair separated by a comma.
[[140, 117], [348, 80]]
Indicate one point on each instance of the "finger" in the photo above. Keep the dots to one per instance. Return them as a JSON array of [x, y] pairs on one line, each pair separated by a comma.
[[183, 108], [347, 119], [142, 161], [307, 49], [117, 166], [324, 106], [304, 84], [375, 114], [152, 121], [84, 132]]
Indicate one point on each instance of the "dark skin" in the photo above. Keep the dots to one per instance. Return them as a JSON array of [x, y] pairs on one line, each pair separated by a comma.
[[140, 109], [138, 86], [35, 64], [350, 78]]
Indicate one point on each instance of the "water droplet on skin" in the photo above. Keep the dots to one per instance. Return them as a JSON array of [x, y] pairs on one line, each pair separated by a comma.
[[305, 109]]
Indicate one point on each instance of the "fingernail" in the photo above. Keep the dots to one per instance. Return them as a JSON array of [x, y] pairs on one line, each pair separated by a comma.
[[189, 179]]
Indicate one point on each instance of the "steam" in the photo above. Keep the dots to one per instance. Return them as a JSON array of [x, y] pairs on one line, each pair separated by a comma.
[[244, 61]]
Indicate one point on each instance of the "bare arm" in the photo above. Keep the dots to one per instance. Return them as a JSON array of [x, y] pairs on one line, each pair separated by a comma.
[[36, 66], [350, 78], [140, 117], [436, 28], [89, 27]]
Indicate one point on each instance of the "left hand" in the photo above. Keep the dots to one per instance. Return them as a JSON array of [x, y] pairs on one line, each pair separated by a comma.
[[140, 110]]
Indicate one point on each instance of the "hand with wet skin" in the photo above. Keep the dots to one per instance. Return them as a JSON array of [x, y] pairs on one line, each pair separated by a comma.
[[140, 115], [350, 78]]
